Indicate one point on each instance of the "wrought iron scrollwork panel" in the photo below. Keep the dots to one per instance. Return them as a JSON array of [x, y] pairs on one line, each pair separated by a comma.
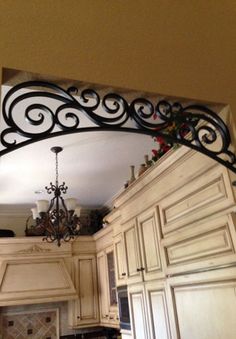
[[37, 110]]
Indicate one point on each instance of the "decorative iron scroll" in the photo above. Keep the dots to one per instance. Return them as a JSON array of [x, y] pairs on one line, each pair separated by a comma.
[[51, 111]]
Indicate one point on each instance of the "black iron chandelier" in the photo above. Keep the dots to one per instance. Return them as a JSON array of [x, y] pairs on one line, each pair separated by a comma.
[[58, 220]]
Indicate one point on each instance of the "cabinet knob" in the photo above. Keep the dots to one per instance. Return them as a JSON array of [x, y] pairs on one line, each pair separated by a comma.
[[106, 315], [78, 317], [138, 269], [123, 274]]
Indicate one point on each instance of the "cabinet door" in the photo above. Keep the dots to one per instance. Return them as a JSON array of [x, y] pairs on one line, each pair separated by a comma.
[[207, 243], [107, 288], [120, 264], [204, 304], [86, 285], [149, 237], [157, 310], [132, 253], [138, 310], [112, 293], [102, 287]]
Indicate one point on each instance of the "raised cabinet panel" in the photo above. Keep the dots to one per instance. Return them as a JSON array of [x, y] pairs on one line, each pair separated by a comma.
[[149, 243], [86, 284], [87, 289], [120, 265], [107, 289], [215, 242], [138, 312], [112, 292], [102, 287], [111, 277], [203, 196], [132, 252], [158, 314], [205, 305], [210, 242]]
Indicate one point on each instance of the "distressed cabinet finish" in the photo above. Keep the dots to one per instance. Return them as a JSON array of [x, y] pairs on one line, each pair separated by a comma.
[[107, 288], [177, 247], [120, 262], [149, 310], [84, 311], [203, 196], [138, 308], [132, 252], [158, 316], [106, 278], [149, 242], [142, 250], [207, 243], [203, 305], [102, 287]]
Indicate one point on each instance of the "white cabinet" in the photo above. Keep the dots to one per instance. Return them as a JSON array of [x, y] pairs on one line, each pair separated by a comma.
[[102, 287], [149, 240], [84, 311], [204, 305], [149, 311], [139, 320], [207, 243], [141, 245], [159, 322], [107, 288], [132, 252], [120, 263], [175, 250]]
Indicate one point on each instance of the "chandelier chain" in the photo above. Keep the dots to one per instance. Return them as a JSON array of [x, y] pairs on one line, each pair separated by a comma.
[[56, 169]]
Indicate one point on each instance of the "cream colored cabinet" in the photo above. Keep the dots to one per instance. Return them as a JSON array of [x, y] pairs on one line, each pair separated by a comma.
[[210, 242], [158, 316], [120, 263], [132, 252], [138, 305], [107, 288], [84, 311], [102, 287], [142, 251], [149, 310], [203, 305], [196, 306], [175, 249], [204, 195], [149, 241]]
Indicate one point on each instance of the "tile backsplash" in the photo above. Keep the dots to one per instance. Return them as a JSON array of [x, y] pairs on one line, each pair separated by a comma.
[[40, 324]]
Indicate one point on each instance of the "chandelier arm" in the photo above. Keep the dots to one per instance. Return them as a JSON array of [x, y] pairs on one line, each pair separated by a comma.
[[51, 203], [64, 207]]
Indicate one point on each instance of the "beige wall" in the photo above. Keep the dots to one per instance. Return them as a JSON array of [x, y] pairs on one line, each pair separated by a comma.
[[16, 223], [176, 47]]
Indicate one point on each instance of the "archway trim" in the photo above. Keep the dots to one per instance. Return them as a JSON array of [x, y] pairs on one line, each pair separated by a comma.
[[36, 110]]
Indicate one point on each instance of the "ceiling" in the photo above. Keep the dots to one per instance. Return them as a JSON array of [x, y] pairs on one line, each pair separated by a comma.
[[94, 166]]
